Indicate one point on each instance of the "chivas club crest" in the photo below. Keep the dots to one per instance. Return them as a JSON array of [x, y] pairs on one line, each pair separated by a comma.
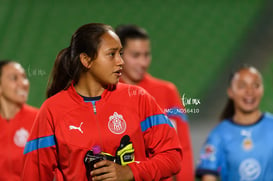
[[117, 124]]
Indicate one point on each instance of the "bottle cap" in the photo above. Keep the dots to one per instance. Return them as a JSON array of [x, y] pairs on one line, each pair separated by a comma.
[[96, 149]]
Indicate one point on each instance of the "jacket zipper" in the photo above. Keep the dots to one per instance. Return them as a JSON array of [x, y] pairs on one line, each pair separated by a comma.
[[94, 108], [98, 124]]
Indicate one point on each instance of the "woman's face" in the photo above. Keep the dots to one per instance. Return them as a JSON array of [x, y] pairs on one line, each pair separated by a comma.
[[14, 85], [106, 68], [137, 57], [246, 90]]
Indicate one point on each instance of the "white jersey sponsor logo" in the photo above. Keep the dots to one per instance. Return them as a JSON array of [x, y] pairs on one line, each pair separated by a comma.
[[249, 170]]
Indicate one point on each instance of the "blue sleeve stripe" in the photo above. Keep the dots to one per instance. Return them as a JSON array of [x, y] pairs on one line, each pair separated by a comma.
[[38, 143], [154, 121], [171, 112]]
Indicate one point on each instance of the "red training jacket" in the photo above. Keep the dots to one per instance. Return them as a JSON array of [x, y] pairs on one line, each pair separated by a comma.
[[67, 127], [13, 137], [168, 98]]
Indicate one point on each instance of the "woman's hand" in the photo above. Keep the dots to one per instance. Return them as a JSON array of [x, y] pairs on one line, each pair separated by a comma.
[[106, 170]]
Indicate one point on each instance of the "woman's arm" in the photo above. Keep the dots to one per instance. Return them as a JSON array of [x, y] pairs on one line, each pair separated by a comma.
[[40, 161], [161, 142]]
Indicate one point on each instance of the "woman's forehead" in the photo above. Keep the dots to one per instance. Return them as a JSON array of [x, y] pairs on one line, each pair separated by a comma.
[[247, 73], [110, 39], [13, 67]]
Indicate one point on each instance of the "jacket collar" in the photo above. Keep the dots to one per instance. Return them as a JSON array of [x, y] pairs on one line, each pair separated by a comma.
[[73, 93]]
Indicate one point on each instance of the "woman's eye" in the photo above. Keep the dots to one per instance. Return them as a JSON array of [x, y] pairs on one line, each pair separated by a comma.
[[256, 85], [112, 54], [120, 53], [14, 77]]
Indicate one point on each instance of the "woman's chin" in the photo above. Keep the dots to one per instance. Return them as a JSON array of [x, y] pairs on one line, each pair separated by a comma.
[[249, 109]]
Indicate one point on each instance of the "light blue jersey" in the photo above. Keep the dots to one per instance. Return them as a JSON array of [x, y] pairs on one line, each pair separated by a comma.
[[239, 152]]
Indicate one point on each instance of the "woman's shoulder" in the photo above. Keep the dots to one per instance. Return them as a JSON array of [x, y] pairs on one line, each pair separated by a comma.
[[223, 126], [61, 99], [121, 86], [130, 90], [28, 111], [60, 96], [268, 117], [30, 108]]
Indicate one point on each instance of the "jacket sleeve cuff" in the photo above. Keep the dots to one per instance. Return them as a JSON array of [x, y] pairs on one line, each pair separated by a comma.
[[135, 171]]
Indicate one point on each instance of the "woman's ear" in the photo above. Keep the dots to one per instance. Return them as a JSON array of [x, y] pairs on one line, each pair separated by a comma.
[[85, 60]]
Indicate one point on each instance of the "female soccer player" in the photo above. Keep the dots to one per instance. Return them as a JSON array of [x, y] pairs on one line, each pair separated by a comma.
[[87, 107], [16, 118], [137, 57], [240, 147]]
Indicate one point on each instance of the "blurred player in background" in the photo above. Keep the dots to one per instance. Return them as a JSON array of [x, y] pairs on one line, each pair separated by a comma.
[[240, 147], [137, 58], [87, 107], [16, 118]]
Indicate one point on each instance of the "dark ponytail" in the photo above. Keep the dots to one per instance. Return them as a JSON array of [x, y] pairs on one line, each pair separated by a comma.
[[61, 76], [68, 67], [229, 109]]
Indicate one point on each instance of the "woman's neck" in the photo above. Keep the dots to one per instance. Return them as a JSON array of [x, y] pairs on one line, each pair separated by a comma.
[[89, 88], [8, 109], [247, 118], [127, 80]]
